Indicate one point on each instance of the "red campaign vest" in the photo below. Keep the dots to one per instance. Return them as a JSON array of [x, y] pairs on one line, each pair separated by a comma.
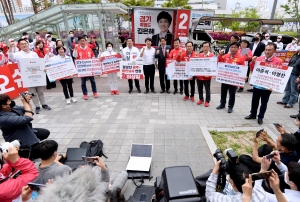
[[85, 54]]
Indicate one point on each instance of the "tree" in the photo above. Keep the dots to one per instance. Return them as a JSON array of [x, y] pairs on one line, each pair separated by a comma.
[[235, 26], [250, 13], [8, 12], [145, 3], [176, 4], [292, 9]]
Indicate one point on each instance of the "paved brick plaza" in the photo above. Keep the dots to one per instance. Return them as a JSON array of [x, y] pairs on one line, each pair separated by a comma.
[[164, 120]]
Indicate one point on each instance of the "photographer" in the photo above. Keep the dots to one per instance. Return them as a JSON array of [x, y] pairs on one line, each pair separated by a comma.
[[10, 184], [15, 123], [237, 177]]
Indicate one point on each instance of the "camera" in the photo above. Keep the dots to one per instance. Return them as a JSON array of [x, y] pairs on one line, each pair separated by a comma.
[[27, 93], [224, 166], [6, 145]]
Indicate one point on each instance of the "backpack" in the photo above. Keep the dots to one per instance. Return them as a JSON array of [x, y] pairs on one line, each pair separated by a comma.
[[94, 148], [143, 193]]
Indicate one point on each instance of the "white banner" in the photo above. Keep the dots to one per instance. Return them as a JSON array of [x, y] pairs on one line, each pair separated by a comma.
[[177, 70], [270, 77], [153, 23], [60, 69], [231, 74], [88, 67], [203, 66], [131, 70], [33, 72]]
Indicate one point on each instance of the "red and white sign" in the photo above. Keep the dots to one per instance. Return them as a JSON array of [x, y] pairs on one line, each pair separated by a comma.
[[16, 75], [7, 84], [182, 26], [131, 70], [88, 67], [111, 63]]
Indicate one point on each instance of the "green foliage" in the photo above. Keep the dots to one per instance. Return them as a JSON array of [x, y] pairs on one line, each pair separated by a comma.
[[292, 9], [176, 3], [251, 13], [294, 34], [146, 3], [81, 1]]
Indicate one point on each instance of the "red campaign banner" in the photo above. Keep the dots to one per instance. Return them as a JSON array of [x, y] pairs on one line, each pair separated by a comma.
[[273, 66], [285, 56], [182, 26], [111, 63], [16, 75], [7, 83]]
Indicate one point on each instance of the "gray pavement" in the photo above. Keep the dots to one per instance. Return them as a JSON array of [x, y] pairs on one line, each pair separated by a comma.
[[172, 125]]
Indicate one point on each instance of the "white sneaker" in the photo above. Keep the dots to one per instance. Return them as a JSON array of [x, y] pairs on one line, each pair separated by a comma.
[[68, 101], [73, 99]]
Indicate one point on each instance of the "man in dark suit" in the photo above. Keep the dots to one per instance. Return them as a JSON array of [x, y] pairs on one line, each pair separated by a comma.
[[257, 47], [168, 38], [233, 38], [161, 55]]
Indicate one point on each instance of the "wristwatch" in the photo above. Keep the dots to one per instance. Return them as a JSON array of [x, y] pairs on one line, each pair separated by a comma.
[[29, 112]]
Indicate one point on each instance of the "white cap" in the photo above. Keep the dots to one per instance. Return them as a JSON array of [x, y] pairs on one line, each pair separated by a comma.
[[11, 40], [47, 35]]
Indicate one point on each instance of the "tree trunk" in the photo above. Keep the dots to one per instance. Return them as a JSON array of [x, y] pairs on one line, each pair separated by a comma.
[[3, 3], [10, 11], [34, 6]]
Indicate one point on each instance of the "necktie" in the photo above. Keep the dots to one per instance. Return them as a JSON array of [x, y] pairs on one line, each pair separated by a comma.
[[164, 51]]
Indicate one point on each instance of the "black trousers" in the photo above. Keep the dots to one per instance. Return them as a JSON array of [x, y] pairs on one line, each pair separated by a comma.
[[232, 92], [163, 78], [206, 84], [136, 82], [186, 87], [258, 94], [180, 83], [67, 84], [149, 72], [50, 84], [253, 166], [41, 134]]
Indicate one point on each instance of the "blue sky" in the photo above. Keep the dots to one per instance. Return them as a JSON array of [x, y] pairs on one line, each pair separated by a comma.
[[231, 3]]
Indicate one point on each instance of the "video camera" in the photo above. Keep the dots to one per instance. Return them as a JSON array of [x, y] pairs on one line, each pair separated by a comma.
[[4, 149], [224, 166], [27, 93]]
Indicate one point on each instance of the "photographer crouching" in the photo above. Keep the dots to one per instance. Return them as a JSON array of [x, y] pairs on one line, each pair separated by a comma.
[[238, 174], [15, 123], [15, 174]]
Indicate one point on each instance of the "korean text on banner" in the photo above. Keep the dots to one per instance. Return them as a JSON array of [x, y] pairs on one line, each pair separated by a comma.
[[33, 72], [285, 56], [60, 69], [270, 76], [203, 66], [7, 84], [231, 74], [111, 63], [177, 70], [182, 26], [153, 24], [88, 67], [131, 70], [16, 75]]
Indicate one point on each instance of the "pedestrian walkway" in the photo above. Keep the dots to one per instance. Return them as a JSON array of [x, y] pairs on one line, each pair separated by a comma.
[[172, 125]]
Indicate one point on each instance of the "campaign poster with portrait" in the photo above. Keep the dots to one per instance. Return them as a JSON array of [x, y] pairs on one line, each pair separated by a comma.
[[33, 72], [153, 24]]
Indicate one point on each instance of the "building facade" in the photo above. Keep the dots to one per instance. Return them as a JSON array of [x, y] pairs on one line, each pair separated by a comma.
[[200, 4]]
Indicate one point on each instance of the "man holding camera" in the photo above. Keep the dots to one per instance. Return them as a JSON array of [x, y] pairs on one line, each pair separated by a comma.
[[237, 179], [10, 182], [15, 123]]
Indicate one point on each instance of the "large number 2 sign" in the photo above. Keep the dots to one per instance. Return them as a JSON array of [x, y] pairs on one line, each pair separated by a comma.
[[183, 20]]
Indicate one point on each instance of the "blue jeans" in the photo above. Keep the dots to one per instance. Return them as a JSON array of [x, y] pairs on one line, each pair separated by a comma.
[[83, 85], [291, 91]]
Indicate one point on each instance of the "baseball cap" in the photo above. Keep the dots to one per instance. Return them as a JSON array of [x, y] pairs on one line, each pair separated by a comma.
[[11, 40]]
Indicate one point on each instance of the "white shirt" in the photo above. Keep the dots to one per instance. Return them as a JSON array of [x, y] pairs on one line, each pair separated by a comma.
[[266, 41], [291, 47], [107, 53], [290, 195], [56, 57], [130, 54], [279, 45], [15, 57], [148, 56], [2, 61], [254, 47]]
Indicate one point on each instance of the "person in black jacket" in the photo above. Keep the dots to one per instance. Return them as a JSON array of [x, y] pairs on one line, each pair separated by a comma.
[[15, 124], [291, 91], [164, 20], [233, 38], [161, 55]]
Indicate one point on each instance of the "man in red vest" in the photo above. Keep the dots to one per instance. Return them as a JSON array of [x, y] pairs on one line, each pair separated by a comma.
[[204, 80], [233, 57], [83, 51], [187, 54]]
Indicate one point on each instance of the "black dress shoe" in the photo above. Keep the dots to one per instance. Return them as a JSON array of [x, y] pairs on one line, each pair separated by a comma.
[[147, 91], [250, 117], [168, 91], [130, 91], [46, 107], [250, 90], [230, 110], [139, 90], [220, 107], [162, 91], [260, 121], [295, 116], [181, 92], [240, 90], [175, 92], [37, 110], [153, 91]]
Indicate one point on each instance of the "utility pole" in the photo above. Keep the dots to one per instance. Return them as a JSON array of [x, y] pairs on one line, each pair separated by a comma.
[[273, 12], [202, 4]]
